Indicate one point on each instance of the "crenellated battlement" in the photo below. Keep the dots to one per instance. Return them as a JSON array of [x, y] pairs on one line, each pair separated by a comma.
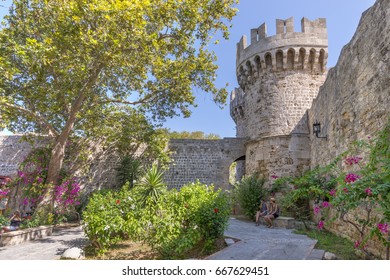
[[287, 50], [285, 31], [237, 104]]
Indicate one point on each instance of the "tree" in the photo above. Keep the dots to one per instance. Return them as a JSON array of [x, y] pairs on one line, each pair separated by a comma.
[[191, 135], [66, 63]]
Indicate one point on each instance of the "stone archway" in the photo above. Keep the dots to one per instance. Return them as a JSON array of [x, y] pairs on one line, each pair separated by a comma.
[[205, 160]]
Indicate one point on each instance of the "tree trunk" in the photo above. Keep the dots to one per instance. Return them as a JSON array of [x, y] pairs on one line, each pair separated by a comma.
[[46, 206]]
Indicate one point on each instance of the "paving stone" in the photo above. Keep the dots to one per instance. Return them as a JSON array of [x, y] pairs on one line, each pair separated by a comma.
[[73, 253], [229, 241], [316, 254]]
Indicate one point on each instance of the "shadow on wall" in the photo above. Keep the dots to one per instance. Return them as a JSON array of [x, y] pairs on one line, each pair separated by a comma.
[[13, 150]]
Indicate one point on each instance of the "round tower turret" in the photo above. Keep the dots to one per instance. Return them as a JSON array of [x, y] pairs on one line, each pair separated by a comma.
[[279, 76]]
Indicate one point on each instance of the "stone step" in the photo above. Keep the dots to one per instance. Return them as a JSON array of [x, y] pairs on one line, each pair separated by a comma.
[[316, 254], [282, 222]]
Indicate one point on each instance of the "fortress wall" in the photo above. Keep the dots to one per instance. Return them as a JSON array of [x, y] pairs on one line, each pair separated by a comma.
[[276, 103], [353, 104], [13, 150], [205, 160], [354, 101], [278, 156]]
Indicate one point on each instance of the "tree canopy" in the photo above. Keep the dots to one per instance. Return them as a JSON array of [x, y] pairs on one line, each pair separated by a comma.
[[192, 135], [68, 64]]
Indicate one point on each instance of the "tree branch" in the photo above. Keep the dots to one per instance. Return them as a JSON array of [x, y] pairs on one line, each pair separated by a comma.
[[41, 121], [148, 98]]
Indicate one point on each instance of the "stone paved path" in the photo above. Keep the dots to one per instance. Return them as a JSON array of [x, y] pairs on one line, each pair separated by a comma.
[[257, 243], [48, 248], [262, 243]]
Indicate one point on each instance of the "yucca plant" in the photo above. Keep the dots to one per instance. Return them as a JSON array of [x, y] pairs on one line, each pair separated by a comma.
[[151, 185]]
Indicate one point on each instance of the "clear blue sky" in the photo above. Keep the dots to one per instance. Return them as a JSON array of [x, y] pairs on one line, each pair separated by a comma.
[[342, 19]]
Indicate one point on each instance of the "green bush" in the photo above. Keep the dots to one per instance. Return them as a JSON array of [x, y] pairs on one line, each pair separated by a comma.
[[248, 192], [171, 222], [194, 216], [110, 217], [129, 170], [3, 221]]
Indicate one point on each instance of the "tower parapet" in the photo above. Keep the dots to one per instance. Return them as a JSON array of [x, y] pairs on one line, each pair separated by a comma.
[[287, 50], [237, 104], [279, 76]]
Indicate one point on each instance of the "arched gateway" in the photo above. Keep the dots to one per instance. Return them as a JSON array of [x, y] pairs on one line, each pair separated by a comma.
[[205, 160]]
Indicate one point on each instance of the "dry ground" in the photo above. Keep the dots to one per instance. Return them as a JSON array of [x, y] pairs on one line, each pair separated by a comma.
[[129, 250]]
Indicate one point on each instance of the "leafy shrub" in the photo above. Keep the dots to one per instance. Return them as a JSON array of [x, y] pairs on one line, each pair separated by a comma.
[[197, 214], [248, 192], [177, 222], [356, 185], [3, 221], [110, 217], [129, 170], [298, 191]]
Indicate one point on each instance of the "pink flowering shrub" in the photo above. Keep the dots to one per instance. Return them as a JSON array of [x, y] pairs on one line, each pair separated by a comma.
[[361, 194], [31, 180], [67, 196]]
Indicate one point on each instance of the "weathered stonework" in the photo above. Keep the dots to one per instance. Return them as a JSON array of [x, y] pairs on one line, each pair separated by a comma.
[[13, 150], [279, 76], [353, 103], [278, 84], [205, 160]]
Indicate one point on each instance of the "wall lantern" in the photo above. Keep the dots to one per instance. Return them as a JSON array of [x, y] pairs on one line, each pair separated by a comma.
[[317, 130]]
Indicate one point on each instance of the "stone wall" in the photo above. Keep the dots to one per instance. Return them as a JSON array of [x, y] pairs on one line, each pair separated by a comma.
[[354, 101], [353, 104], [278, 156], [13, 150], [279, 76], [276, 103], [205, 160]]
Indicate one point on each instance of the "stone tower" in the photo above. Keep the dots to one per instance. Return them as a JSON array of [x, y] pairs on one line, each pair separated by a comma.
[[279, 76]]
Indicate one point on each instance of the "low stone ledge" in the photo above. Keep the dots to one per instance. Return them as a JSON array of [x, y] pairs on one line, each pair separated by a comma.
[[282, 222], [23, 235]]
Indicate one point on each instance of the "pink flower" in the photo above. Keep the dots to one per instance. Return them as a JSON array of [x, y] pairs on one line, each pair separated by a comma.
[[21, 174], [4, 192], [368, 191], [25, 201], [325, 204], [351, 177], [320, 225], [352, 160], [274, 177], [316, 210], [384, 228], [40, 180], [345, 190], [332, 192], [357, 244]]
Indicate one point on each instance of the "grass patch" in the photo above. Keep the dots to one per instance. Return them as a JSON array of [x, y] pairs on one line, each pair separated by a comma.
[[340, 246], [129, 250]]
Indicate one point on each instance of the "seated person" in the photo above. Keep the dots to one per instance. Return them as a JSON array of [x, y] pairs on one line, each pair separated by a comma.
[[262, 212], [273, 213], [15, 221]]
